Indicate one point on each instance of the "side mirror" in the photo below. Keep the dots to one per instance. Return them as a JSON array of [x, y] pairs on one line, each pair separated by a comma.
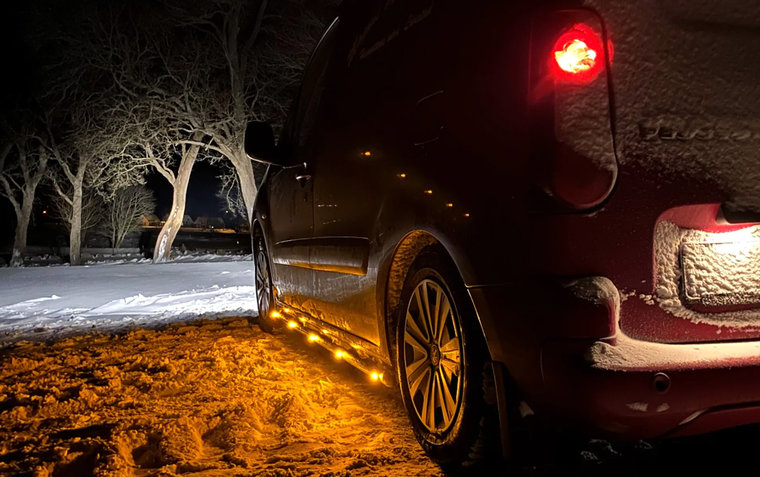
[[259, 142]]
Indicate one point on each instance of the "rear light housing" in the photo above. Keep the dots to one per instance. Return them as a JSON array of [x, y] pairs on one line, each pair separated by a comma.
[[574, 149]]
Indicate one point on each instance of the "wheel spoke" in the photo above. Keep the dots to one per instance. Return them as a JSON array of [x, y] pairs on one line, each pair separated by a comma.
[[413, 328], [448, 404], [440, 400], [450, 346], [444, 317], [414, 383], [421, 315], [412, 341], [415, 372], [450, 365], [435, 317], [429, 403], [428, 314]]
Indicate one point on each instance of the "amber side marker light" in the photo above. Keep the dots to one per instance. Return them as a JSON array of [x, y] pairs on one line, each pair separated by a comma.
[[578, 54]]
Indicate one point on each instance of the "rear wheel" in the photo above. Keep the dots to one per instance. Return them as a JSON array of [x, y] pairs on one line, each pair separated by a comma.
[[264, 295], [441, 361]]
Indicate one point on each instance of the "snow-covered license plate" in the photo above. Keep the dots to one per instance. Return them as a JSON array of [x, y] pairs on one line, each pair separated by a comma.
[[721, 274]]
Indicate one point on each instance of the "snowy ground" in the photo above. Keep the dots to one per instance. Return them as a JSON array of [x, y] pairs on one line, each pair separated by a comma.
[[37, 303], [107, 370]]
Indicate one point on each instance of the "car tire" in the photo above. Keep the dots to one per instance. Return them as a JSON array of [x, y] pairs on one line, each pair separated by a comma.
[[263, 282], [447, 368]]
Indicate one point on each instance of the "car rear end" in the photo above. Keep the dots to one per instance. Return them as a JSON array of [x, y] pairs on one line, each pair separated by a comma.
[[646, 219]]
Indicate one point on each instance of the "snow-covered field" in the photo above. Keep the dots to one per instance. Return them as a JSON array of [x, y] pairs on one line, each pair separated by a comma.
[[40, 302]]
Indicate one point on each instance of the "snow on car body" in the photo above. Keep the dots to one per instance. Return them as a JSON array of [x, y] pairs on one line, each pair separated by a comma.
[[582, 178]]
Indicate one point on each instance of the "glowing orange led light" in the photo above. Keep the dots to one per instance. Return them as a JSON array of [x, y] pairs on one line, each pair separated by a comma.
[[292, 325], [287, 310], [402, 175], [376, 376], [367, 153], [467, 215], [275, 314], [429, 191], [313, 338], [340, 354], [449, 205]]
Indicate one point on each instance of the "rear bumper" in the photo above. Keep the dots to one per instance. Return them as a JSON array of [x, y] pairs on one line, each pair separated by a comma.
[[572, 363], [635, 389]]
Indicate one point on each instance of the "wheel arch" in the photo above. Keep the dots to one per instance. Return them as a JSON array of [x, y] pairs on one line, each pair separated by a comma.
[[405, 252]]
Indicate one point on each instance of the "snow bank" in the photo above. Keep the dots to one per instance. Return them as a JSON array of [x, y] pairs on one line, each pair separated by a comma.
[[39, 302]]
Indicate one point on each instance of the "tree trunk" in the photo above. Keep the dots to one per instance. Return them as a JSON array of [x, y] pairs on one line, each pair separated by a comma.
[[75, 233], [163, 248], [248, 188], [23, 217]]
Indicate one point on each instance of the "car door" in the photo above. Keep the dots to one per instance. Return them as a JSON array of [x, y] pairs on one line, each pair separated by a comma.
[[358, 163], [291, 188]]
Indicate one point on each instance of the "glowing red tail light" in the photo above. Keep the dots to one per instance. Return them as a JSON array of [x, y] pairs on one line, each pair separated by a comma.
[[570, 54], [578, 54]]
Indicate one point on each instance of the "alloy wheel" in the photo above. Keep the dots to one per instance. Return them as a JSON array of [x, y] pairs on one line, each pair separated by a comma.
[[433, 357], [263, 281]]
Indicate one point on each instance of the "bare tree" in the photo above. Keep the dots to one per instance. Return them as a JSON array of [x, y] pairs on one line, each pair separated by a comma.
[[92, 212], [175, 88], [23, 164], [258, 52], [158, 106], [87, 160], [124, 211]]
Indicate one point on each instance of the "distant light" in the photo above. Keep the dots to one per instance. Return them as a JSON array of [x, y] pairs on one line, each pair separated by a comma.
[[376, 376], [429, 191], [340, 354], [402, 175], [367, 153], [44, 212], [275, 314], [467, 215], [292, 325], [313, 338], [449, 205]]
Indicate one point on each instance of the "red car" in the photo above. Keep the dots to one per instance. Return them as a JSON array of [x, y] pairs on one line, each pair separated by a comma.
[[526, 208]]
